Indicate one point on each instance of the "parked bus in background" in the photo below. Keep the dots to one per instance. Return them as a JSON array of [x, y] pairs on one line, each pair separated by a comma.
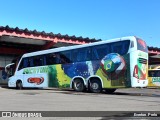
[[105, 65], [154, 76]]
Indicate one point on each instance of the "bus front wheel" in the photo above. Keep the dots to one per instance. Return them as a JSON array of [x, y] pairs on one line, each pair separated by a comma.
[[19, 85], [78, 85], [95, 86]]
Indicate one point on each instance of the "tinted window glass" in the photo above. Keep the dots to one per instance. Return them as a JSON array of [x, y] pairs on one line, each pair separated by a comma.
[[120, 47], [26, 62], [141, 45], [155, 73], [53, 58], [21, 65], [65, 57], [99, 51], [82, 54], [38, 61]]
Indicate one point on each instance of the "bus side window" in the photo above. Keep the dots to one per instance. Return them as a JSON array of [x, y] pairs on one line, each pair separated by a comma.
[[116, 48], [100, 51], [38, 61], [53, 58], [23, 64], [65, 57], [88, 54], [120, 47], [76, 56], [30, 62], [95, 55], [44, 60], [82, 54]]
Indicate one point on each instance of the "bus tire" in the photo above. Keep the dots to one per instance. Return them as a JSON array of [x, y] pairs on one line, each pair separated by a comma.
[[110, 91], [78, 85], [95, 86], [19, 85]]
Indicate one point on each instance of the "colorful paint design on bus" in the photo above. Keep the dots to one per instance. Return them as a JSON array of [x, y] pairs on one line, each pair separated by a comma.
[[112, 69]]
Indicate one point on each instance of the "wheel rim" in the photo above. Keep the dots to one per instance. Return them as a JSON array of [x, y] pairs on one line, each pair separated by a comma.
[[78, 85], [19, 85], [95, 86]]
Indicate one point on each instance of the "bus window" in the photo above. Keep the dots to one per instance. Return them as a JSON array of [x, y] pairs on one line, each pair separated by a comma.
[[65, 57], [82, 54], [154, 73], [24, 63], [88, 54], [53, 58], [38, 61], [31, 62], [141, 45], [100, 51], [120, 47]]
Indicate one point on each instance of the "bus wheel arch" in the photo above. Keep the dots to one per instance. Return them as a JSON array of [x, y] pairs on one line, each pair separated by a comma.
[[95, 84], [78, 84], [19, 84]]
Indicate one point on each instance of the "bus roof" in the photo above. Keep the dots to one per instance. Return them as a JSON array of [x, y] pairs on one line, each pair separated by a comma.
[[77, 46]]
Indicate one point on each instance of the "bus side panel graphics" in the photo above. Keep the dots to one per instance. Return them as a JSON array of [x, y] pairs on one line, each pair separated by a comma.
[[37, 80], [53, 76], [140, 70], [113, 70], [63, 79], [57, 77], [110, 63], [37, 76], [84, 69], [111, 67]]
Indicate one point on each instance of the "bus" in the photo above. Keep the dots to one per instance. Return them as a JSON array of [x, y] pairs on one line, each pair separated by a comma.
[[102, 65], [154, 76]]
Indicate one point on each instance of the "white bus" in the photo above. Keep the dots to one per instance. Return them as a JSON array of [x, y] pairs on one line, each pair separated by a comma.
[[104, 65]]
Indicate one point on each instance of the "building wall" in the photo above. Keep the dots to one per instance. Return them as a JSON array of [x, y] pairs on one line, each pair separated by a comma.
[[5, 59]]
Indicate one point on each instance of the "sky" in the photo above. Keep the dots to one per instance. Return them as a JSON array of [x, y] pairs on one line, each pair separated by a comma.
[[99, 19]]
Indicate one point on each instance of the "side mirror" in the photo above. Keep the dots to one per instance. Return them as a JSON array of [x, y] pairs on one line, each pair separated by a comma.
[[8, 67]]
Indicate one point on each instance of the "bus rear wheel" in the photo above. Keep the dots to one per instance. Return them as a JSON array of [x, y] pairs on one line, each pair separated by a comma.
[[78, 85], [95, 86], [110, 91], [19, 85]]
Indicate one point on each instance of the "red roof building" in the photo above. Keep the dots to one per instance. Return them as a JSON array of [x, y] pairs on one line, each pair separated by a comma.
[[154, 55], [16, 41]]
